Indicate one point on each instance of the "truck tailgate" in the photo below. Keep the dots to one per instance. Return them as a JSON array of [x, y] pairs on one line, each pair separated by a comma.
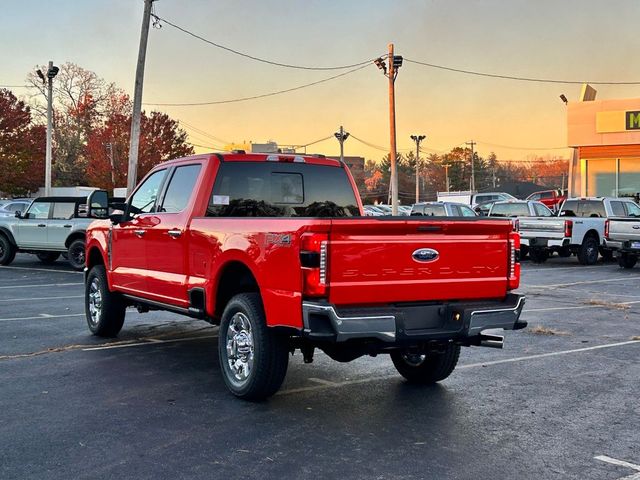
[[374, 261], [541, 227], [624, 229]]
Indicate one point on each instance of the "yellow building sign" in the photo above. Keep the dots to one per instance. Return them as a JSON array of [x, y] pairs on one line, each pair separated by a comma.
[[619, 121]]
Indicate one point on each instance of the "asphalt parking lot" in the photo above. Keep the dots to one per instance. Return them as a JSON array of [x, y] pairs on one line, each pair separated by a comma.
[[561, 400]]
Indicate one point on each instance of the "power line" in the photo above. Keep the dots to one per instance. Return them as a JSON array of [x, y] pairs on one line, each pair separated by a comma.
[[202, 132], [211, 147], [255, 97], [512, 77], [258, 59]]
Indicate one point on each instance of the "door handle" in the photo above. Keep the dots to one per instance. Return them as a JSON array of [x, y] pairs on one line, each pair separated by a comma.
[[41, 225], [174, 233], [139, 233], [67, 226]]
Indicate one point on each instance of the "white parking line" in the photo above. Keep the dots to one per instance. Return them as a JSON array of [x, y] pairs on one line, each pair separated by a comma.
[[615, 461], [578, 307], [41, 285], [586, 282], [42, 269], [552, 269], [30, 299], [461, 367], [42, 316]]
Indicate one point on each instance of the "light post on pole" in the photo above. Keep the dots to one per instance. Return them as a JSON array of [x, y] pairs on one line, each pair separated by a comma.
[[52, 71], [395, 62], [418, 139], [341, 136]]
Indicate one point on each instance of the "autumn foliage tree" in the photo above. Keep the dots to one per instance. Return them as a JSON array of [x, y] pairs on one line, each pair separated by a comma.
[[22, 146]]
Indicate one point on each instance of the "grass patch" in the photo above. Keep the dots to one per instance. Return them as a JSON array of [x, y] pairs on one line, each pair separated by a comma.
[[540, 330], [605, 303]]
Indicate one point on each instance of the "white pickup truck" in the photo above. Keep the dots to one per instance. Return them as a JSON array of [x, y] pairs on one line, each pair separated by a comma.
[[50, 227], [622, 235], [579, 229]]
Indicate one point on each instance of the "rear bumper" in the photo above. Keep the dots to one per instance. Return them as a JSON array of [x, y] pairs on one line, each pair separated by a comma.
[[411, 323], [545, 242]]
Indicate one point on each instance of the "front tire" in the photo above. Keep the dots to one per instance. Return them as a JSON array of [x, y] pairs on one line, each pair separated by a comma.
[[253, 357], [47, 258], [426, 368], [7, 251], [588, 253], [627, 261], [104, 309], [76, 254]]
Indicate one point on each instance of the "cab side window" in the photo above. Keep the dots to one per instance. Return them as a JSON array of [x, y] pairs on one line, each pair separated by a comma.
[[144, 200], [180, 189], [466, 211], [542, 210], [39, 210]]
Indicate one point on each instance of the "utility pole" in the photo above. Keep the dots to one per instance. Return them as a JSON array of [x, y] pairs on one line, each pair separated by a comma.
[[341, 136], [395, 62], [109, 147], [134, 141], [52, 71], [473, 168], [418, 139], [446, 176]]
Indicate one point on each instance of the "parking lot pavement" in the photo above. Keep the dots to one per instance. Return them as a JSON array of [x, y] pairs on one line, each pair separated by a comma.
[[152, 404]]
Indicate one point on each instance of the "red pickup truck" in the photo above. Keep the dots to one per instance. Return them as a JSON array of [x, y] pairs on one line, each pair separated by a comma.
[[275, 249]]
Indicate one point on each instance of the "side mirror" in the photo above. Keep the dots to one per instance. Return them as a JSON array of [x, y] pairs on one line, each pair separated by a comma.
[[18, 214], [98, 204], [117, 212]]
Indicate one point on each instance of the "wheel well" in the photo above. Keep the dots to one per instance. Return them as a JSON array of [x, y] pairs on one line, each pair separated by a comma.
[[94, 258], [593, 233], [73, 237], [5, 233], [235, 278]]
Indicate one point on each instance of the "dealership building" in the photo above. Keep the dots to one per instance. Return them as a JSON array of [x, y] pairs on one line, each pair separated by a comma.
[[605, 137]]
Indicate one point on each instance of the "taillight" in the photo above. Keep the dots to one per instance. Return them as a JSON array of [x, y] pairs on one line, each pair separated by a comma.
[[313, 259], [568, 228], [513, 279], [606, 229]]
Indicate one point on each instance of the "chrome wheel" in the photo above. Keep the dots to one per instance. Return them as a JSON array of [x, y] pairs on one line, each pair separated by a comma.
[[240, 347], [95, 301], [414, 359]]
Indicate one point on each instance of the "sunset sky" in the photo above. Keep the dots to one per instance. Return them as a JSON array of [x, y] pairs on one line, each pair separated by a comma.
[[573, 40]]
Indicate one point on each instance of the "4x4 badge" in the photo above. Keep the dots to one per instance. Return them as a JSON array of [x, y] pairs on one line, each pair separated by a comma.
[[424, 255]]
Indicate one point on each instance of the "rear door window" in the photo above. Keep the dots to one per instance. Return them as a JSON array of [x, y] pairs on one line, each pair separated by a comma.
[[63, 210], [277, 189], [617, 209], [180, 188]]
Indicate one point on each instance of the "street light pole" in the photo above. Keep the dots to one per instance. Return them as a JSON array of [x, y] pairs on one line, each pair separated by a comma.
[[392, 131], [341, 136], [134, 141], [52, 71], [418, 139], [446, 176]]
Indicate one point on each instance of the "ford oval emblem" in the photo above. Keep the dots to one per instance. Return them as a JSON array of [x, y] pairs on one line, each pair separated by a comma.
[[424, 255]]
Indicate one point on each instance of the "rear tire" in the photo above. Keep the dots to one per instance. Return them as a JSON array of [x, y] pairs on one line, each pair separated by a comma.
[[253, 357], [538, 255], [104, 309], [426, 369], [564, 252], [47, 257], [76, 254], [588, 252], [627, 261], [7, 251]]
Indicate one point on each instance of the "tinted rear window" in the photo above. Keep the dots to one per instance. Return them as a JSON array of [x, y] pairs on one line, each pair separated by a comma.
[[270, 189], [510, 210]]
